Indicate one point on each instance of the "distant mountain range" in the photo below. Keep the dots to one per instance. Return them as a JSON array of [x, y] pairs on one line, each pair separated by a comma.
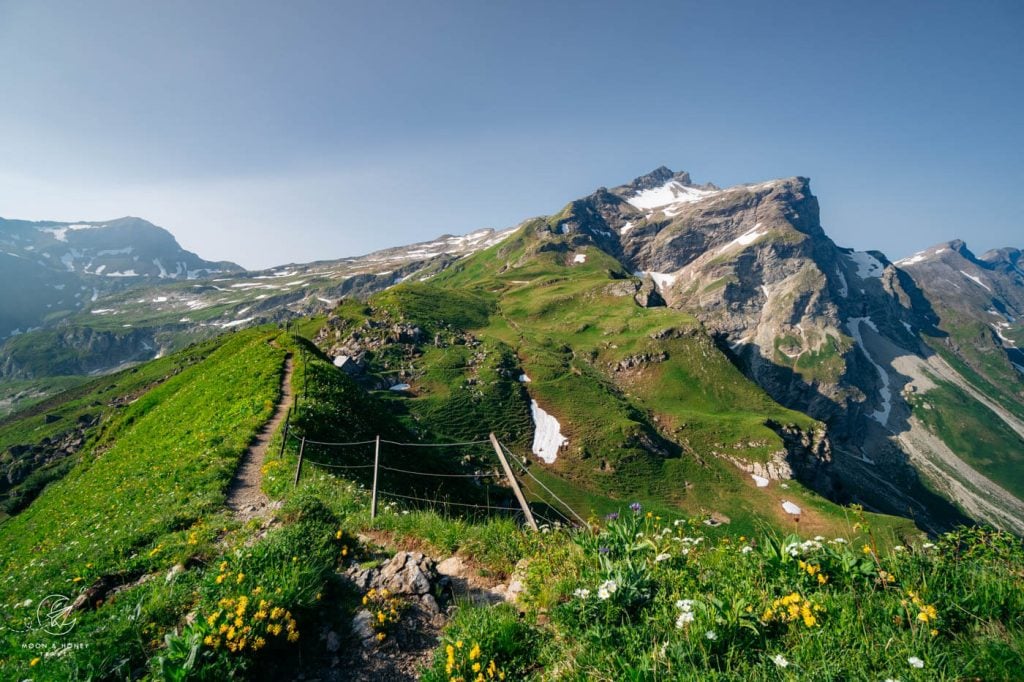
[[913, 368], [49, 270]]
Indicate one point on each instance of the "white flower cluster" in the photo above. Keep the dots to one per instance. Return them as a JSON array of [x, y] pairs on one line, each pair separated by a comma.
[[798, 548], [686, 614], [607, 589]]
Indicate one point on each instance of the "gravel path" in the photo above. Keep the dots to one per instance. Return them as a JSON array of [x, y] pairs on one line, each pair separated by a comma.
[[245, 497]]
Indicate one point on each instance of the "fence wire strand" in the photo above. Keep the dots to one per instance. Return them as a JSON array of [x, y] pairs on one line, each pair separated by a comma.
[[527, 471], [455, 504]]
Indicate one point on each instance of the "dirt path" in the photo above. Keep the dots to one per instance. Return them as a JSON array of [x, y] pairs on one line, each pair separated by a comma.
[[245, 498]]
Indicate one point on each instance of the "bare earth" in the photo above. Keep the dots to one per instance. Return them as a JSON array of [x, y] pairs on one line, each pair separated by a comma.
[[245, 498]]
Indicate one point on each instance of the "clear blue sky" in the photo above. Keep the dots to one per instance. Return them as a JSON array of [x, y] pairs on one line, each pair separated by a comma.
[[272, 132]]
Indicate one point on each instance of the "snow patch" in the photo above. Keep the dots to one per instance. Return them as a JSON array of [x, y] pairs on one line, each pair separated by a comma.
[[400, 387], [160, 299], [999, 332], [790, 508], [916, 258], [672, 193], [226, 325], [867, 265], [976, 280], [661, 279], [748, 237], [626, 228], [126, 273], [524, 379], [579, 258], [882, 415], [844, 288], [761, 481], [547, 436]]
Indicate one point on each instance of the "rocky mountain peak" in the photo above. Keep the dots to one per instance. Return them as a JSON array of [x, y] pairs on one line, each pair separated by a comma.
[[657, 178], [1006, 259]]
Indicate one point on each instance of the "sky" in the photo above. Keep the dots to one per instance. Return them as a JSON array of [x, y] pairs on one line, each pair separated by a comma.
[[269, 132]]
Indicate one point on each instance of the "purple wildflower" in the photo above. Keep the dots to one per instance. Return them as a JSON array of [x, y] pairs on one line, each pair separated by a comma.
[[613, 516], [603, 550], [635, 507]]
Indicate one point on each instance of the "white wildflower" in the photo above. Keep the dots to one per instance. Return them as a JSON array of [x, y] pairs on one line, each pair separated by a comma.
[[915, 662], [711, 635], [747, 549], [684, 604], [780, 660], [928, 545], [607, 589], [664, 556], [582, 593], [684, 618]]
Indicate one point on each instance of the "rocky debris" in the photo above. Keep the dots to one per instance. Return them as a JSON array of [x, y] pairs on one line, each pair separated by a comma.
[[648, 296], [639, 360], [775, 469], [414, 579], [622, 287]]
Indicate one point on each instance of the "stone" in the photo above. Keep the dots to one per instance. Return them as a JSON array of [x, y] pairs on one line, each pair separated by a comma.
[[362, 626], [408, 573], [453, 567]]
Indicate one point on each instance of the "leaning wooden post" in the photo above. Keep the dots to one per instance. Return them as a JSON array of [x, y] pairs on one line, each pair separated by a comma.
[[512, 482], [284, 437], [373, 494], [298, 467]]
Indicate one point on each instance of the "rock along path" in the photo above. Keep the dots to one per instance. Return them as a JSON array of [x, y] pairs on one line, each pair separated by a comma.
[[246, 499]]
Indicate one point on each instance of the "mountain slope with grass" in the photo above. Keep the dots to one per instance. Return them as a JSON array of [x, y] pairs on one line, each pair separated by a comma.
[[152, 577]]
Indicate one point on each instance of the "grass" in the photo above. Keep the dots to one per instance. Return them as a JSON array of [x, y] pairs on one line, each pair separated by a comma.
[[974, 433], [145, 497], [30, 438], [647, 598], [273, 592]]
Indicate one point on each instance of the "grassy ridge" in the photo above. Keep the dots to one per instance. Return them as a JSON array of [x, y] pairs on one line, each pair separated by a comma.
[[86, 408], [136, 504]]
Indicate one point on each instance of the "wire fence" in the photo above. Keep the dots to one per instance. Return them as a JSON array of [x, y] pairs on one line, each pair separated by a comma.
[[547, 505]]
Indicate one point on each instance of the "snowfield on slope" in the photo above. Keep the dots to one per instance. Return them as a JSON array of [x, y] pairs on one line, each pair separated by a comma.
[[547, 435]]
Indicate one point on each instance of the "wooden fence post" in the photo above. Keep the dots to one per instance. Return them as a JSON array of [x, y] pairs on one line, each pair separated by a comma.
[[373, 494], [298, 467], [284, 437], [512, 482]]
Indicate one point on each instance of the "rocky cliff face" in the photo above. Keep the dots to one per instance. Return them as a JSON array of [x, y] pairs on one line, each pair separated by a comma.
[[841, 335]]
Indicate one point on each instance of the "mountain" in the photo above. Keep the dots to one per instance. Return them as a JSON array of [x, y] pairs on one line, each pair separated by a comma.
[[670, 329], [158, 309], [843, 336], [51, 269]]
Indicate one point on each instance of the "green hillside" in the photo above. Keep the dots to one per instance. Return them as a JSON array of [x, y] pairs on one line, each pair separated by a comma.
[[138, 530]]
